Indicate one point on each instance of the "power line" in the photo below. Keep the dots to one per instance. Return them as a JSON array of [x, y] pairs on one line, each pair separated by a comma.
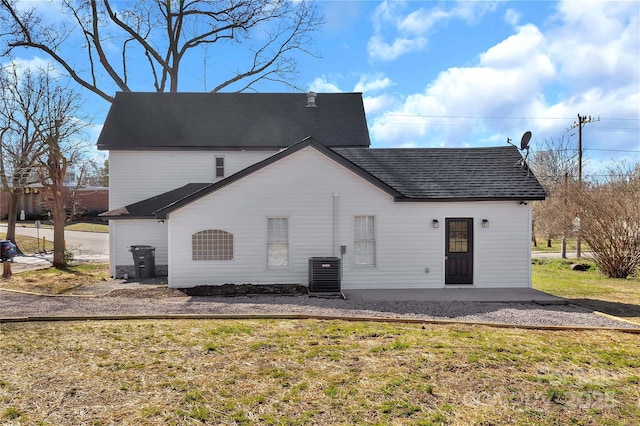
[[589, 149], [498, 117]]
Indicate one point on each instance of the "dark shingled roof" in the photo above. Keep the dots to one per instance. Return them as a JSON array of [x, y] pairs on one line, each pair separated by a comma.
[[138, 121], [450, 173], [144, 209], [414, 174]]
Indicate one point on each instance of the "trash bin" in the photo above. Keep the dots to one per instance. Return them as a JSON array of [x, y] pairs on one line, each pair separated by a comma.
[[144, 261]]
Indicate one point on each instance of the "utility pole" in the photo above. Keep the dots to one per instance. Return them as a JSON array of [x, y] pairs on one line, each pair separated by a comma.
[[582, 120]]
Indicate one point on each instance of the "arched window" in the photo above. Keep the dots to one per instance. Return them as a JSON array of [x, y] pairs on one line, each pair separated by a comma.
[[212, 244]]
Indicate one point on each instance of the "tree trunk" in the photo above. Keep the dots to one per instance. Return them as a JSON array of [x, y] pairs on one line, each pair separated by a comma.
[[59, 219], [12, 216], [549, 242], [563, 249]]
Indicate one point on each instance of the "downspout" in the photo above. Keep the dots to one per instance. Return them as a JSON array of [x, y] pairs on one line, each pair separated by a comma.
[[336, 229], [337, 252], [530, 233]]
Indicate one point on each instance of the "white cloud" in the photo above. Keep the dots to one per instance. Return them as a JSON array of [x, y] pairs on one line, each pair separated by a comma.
[[323, 85], [372, 83], [407, 31], [507, 82], [515, 50], [375, 104], [421, 21], [598, 44], [379, 49], [583, 62], [512, 17], [36, 66]]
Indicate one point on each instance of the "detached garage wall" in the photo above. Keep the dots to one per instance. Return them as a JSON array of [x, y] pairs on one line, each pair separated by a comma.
[[304, 187]]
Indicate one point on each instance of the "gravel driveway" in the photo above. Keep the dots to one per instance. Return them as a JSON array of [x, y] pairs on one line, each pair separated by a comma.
[[141, 300]]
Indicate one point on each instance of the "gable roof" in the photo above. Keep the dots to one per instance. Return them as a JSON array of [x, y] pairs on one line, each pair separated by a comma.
[[418, 174], [450, 174], [157, 121]]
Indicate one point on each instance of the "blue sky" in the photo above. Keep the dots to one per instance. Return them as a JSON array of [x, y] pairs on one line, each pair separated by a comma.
[[473, 73]]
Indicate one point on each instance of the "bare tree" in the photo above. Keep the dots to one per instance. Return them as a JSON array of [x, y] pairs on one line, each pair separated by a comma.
[[41, 133], [554, 160], [84, 172], [104, 174], [556, 169], [23, 94], [610, 221], [60, 132], [162, 33]]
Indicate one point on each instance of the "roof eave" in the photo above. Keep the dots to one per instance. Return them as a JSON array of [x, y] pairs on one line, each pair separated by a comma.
[[458, 199], [124, 217]]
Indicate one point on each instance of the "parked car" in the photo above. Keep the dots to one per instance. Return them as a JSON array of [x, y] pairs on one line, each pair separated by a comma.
[[7, 250]]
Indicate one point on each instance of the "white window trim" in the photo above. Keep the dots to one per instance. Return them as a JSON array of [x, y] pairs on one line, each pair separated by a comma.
[[266, 246], [376, 225]]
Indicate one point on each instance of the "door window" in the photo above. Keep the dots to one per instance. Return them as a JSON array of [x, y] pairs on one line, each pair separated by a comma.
[[458, 237]]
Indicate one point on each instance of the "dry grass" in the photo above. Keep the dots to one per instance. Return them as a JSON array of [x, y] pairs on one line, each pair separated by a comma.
[[313, 372], [57, 281], [75, 226], [590, 289], [31, 245]]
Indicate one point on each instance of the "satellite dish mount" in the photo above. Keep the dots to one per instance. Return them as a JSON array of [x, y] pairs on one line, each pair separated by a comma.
[[524, 146]]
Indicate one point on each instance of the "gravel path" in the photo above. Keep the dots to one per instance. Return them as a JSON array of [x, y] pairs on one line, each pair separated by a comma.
[[162, 300]]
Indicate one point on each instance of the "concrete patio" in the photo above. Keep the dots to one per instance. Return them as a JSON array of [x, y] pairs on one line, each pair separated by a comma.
[[510, 295]]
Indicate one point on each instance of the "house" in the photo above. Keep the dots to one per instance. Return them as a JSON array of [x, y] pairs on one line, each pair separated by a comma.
[[36, 200], [245, 188]]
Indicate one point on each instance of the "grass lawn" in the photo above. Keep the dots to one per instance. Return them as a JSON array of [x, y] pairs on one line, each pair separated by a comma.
[[31, 245], [556, 246], [57, 281], [76, 226], [313, 372], [590, 289]]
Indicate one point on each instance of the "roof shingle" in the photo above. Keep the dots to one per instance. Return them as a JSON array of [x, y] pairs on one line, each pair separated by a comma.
[[138, 121], [449, 173]]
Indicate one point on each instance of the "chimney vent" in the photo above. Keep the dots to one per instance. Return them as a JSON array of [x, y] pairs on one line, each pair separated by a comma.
[[311, 99]]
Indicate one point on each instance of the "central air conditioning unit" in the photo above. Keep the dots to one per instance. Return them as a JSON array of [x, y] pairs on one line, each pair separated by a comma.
[[324, 275]]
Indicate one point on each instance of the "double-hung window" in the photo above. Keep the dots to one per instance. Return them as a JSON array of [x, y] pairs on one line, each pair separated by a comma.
[[365, 240], [219, 167], [277, 242]]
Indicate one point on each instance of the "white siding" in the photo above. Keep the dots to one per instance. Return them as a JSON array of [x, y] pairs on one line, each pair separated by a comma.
[[137, 175], [302, 187], [125, 233]]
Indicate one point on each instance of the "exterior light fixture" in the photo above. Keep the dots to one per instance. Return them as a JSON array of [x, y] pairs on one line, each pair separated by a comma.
[[435, 223], [485, 223]]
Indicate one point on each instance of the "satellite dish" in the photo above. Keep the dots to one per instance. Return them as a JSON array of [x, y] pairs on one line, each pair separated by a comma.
[[524, 143]]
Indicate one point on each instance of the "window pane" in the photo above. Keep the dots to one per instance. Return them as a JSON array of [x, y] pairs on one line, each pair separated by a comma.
[[277, 241], [219, 167], [278, 254], [212, 244], [458, 237], [364, 241]]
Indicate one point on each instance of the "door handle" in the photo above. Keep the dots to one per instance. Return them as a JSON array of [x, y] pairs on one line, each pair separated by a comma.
[[446, 258]]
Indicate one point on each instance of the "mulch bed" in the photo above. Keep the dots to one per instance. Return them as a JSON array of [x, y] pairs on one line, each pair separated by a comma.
[[226, 290], [246, 289]]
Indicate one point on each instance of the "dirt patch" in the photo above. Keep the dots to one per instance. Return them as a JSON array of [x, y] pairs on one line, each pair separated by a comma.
[[246, 290]]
